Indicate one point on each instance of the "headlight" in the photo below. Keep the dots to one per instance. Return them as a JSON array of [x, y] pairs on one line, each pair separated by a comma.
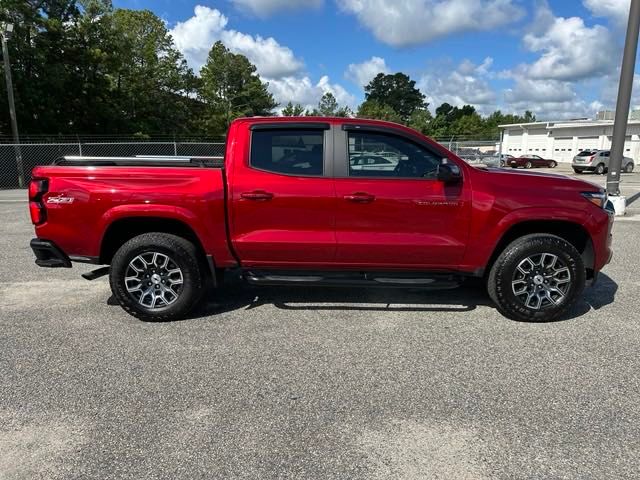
[[597, 198]]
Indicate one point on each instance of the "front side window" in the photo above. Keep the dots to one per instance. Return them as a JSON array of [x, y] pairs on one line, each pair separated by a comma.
[[290, 152], [389, 156]]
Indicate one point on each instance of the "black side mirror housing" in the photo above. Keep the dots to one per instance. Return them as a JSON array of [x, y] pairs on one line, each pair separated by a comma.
[[449, 173]]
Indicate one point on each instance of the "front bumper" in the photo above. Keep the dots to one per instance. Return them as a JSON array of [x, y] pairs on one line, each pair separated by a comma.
[[48, 254]]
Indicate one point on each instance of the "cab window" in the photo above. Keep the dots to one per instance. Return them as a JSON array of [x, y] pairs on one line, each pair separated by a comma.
[[389, 156], [290, 152]]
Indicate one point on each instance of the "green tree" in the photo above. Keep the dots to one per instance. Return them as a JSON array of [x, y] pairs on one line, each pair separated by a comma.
[[152, 84], [231, 88], [291, 110], [420, 120], [328, 107], [378, 111], [397, 91]]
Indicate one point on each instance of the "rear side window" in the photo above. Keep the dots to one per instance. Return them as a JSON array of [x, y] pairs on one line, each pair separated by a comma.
[[290, 152]]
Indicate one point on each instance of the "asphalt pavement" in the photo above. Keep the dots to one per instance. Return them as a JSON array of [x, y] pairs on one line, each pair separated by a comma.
[[323, 383]]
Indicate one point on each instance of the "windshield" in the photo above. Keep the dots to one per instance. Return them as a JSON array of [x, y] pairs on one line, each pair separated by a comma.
[[586, 153]]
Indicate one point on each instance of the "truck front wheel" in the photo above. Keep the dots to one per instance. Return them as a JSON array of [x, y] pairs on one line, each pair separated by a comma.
[[156, 277], [537, 278]]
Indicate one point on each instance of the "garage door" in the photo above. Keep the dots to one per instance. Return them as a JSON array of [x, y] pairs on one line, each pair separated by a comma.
[[513, 143], [563, 149], [588, 143], [537, 142]]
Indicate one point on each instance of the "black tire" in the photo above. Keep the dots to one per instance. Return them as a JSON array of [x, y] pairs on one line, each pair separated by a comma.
[[528, 165], [628, 168], [578, 170], [181, 253], [504, 275], [600, 169], [553, 164]]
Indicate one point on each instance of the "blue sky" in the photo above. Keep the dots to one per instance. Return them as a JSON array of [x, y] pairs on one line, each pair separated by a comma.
[[558, 58]]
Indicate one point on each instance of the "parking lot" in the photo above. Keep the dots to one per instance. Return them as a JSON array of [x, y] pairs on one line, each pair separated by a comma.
[[324, 383]]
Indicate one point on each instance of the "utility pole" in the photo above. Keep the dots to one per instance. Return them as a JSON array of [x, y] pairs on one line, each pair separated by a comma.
[[622, 108], [5, 33]]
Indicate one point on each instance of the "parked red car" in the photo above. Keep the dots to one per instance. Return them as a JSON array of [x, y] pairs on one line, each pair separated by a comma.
[[531, 161], [290, 205]]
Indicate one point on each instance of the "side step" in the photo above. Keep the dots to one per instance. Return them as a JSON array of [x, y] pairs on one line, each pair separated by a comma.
[[94, 274], [435, 281]]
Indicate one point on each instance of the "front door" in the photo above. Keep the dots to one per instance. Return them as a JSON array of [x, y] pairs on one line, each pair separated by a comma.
[[400, 217], [283, 199]]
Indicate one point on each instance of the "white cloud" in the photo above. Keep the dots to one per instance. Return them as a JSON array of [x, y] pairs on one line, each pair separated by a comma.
[[265, 8], [618, 10], [270, 58], [303, 91], [465, 84], [609, 91], [195, 37], [411, 22], [362, 73], [537, 91], [569, 49], [549, 99]]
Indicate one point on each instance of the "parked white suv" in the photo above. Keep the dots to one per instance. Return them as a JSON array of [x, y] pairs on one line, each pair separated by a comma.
[[598, 161]]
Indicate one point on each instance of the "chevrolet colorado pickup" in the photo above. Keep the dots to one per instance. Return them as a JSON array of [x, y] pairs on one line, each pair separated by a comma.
[[320, 201]]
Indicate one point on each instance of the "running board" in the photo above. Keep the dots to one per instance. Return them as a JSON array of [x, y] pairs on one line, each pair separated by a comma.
[[100, 272], [435, 281]]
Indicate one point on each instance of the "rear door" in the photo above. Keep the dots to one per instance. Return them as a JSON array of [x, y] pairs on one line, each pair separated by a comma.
[[400, 217], [283, 198]]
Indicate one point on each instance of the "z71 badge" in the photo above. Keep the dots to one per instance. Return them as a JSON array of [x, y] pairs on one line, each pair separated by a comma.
[[60, 200]]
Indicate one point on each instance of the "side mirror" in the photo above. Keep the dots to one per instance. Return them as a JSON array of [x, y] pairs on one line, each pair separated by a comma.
[[449, 173]]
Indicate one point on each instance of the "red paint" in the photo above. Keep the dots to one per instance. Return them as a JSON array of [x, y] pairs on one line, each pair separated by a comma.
[[534, 160], [284, 221]]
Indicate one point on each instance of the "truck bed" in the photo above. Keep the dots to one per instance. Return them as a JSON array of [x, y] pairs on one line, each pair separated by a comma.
[[95, 195]]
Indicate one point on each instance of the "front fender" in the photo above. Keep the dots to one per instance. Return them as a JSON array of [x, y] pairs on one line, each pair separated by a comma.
[[483, 244]]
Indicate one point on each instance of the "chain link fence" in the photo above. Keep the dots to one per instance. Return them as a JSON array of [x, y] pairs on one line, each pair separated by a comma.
[[44, 152], [474, 151], [37, 151]]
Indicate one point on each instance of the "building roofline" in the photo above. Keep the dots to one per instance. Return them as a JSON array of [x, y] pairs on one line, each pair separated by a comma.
[[568, 124]]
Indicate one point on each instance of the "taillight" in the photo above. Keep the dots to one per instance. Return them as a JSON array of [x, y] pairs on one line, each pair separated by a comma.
[[591, 158], [37, 188]]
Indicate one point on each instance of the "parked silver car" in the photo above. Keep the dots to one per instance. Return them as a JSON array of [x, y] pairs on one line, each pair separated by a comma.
[[496, 160], [598, 161]]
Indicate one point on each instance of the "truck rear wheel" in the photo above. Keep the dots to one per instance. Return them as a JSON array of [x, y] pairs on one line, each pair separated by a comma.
[[537, 278], [156, 277]]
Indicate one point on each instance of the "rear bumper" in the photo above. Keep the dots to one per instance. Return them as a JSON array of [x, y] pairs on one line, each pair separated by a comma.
[[584, 167], [48, 254]]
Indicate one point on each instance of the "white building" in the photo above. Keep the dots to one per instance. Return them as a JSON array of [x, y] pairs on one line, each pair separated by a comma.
[[561, 141]]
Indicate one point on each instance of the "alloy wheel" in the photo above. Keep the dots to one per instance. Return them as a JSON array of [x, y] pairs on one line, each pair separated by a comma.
[[154, 280], [541, 281]]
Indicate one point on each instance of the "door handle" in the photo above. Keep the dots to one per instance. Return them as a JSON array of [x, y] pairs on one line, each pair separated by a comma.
[[360, 197], [257, 195]]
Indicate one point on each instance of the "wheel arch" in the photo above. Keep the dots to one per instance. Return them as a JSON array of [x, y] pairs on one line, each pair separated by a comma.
[[574, 233], [124, 229]]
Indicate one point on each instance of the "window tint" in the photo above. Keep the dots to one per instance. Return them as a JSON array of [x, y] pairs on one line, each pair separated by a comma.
[[381, 155], [292, 152]]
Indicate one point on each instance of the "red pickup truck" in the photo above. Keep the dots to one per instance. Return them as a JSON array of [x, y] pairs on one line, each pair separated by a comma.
[[321, 201]]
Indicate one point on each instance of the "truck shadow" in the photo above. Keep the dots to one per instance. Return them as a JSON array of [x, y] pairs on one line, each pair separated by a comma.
[[239, 296]]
